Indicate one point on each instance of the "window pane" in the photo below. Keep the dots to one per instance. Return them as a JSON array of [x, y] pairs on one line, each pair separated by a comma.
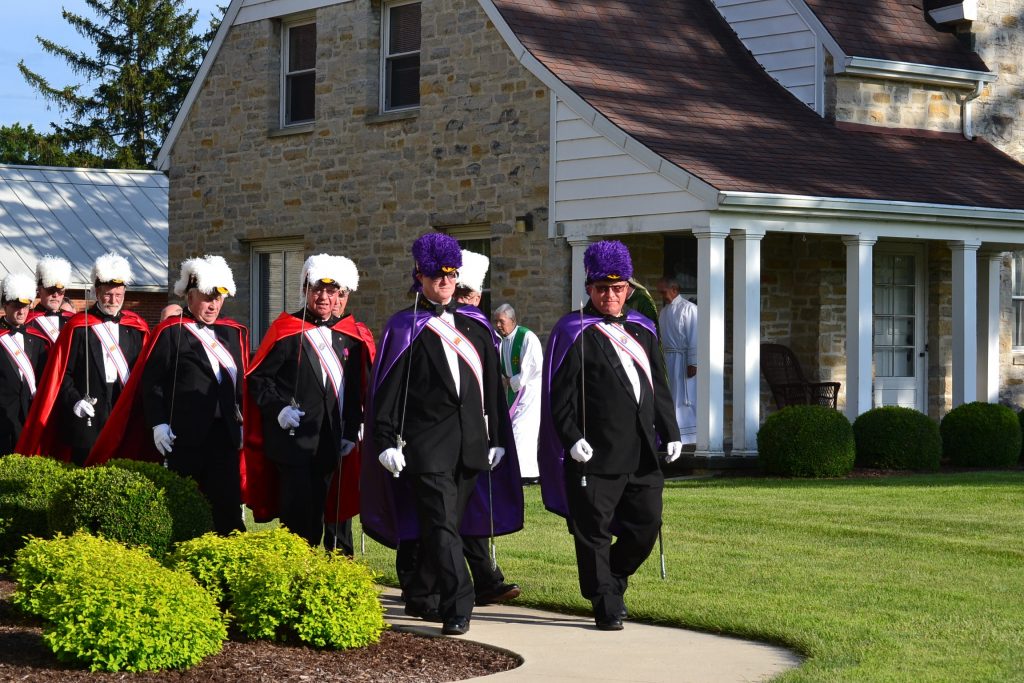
[[883, 300], [903, 331], [404, 29], [903, 363], [1018, 322], [883, 331], [403, 84], [301, 99], [302, 47], [903, 270], [271, 277], [1018, 273], [903, 300], [883, 363], [883, 269]]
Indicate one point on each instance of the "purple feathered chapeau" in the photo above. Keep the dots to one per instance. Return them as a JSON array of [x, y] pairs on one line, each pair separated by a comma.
[[607, 260], [433, 254]]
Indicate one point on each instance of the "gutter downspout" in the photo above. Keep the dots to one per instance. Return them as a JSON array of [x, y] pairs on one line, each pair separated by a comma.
[[966, 121]]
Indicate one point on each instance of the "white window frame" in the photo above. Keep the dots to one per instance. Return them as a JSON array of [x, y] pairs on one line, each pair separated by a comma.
[[1017, 348], [286, 29], [258, 326], [385, 32]]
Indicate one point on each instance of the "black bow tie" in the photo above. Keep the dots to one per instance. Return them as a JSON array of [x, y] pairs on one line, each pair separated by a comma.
[[438, 309], [15, 329], [105, 317], [619, 319], [320, 322]]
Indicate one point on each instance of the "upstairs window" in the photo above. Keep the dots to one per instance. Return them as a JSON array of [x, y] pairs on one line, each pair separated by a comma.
[[400, 86], [1017, 293], [298, 73]]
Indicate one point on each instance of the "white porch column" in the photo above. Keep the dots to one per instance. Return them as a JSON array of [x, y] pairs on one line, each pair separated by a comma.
[[988, 326], [746, 341], [711, 342], [859, 259], [965, 340], [579, 275]]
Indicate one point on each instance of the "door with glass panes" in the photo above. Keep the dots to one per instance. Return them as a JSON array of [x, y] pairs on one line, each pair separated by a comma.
[[899, 349]]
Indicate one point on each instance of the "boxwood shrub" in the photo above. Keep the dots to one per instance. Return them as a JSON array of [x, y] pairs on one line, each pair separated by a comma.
[[191, 514], [806, 441], [981, 435], [277, 587], [26, 486], [113, 503], [114, 608], [897, 438]]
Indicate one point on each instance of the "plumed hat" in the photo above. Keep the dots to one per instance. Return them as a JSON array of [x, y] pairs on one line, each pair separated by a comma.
[[330, 270], [112, 269], [473, 271], [435, 254], [607, 260], [53, 271], [209, 274], [19, 287]]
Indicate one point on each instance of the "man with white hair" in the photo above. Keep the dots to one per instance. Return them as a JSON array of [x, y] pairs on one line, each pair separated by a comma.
[[522, 361], [26, 349], [87, 370], [183, 403], [678, 321], [52, 277], [305, 390]]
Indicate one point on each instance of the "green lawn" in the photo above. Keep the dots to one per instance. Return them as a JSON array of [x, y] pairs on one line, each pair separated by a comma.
[[895, 579]]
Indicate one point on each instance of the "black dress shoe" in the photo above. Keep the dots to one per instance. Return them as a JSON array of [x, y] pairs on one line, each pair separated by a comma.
[[426, 614], [503, 592], [457, 626], [623, 613], [612, 623]]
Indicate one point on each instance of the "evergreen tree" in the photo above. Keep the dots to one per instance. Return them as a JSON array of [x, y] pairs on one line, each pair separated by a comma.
[[27, 146], [146, 55]]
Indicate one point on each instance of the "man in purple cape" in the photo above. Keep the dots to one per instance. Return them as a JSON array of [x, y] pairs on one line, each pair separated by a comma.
[[606, 403], [438, 422]]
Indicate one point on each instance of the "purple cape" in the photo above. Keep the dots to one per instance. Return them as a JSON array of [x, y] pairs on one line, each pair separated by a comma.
[[387, 505], [550, 454]]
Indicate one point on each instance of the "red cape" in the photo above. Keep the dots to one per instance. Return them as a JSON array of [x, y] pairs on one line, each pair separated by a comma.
[[126, 434], [34, 331], [259, 475], [39, 437]]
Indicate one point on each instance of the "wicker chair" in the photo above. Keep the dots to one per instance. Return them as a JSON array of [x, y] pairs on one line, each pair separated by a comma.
[[787, 381]]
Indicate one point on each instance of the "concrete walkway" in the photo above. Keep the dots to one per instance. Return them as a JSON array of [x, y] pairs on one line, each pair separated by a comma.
[[559, 647]]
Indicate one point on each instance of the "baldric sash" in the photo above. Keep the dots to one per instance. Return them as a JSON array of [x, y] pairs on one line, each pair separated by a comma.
[[17, 354], [322, 343], [50, 325], [217, 349], [624, 341], [462, 346], [113, 351]]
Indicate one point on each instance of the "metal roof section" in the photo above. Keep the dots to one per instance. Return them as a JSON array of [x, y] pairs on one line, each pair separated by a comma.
[[80, 214]]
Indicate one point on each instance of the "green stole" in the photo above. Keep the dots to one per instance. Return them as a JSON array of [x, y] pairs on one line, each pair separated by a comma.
[[512, 362]]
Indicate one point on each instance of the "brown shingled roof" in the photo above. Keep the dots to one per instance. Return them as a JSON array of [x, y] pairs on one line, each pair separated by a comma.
[[896, 30], [677, 79]]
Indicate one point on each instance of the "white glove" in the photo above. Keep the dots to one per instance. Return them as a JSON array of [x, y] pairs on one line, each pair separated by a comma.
[[581, 451], [393, 460], [675, 449], [346, 447], [289, 416], [495, 455], [163, 438], [515, 381], [84, 409]]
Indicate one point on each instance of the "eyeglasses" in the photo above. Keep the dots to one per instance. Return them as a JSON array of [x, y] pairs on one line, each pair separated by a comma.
[[617, 289], [445, 276]]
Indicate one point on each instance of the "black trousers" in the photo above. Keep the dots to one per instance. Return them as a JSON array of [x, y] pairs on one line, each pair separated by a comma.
[[634, 501], [213, 463], [441, 500], [485, 577]]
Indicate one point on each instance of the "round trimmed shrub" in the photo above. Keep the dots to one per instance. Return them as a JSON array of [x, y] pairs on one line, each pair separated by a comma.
[[806, 441], [26, 485], [981, 435], [897, 438], [113, 503], [191, 514], [114, 608]]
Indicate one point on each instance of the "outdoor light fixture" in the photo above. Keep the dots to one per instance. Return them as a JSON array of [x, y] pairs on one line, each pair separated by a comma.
[[524, 223]]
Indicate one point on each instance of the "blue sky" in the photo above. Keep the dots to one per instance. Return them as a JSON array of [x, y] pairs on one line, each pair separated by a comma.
[[22, 21]]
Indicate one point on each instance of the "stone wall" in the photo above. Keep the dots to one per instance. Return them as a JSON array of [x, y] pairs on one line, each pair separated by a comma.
[[895, 104], [362, 184], [998, 36]]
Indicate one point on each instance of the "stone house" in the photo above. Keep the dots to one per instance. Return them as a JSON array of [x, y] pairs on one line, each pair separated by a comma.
[[841, 176]]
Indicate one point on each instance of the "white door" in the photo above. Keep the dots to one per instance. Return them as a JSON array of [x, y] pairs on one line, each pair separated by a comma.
[[900, 352]]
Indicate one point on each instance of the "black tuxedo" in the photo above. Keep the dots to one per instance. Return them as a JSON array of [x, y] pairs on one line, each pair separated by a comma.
[[624, 479], [62, 318], [447, 446], [205, 419], [78, 434], [305, 460], [15, 397]]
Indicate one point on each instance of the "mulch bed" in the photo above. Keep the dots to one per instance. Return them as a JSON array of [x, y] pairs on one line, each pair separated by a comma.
[[397, 657]]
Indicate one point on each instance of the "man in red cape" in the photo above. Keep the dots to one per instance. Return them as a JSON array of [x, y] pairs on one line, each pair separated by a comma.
[[78, 392], [296, 476], [25, 349], [52, 277], [182, 403]]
